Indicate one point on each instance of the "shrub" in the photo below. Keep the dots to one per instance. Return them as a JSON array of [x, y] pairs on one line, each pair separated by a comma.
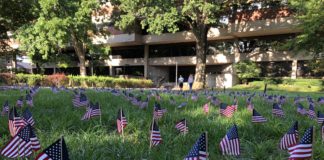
[[58, 79], [247, 69], [7, 78]]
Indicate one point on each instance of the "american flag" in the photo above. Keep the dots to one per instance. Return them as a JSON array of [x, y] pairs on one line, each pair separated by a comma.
[[277, 110], [229, 111], [257, 118], [320, 100], [320, 117], [80, 100], [311, 111], [121, 121], [290, 138], [303, 150], [199, 150], [158, 111], [15, 122], [250, 107], [56, 151], [206, 108], [92, 111], [300, 109], [35, 145], [230, 144], [215, 101], [5, 108], [182, 126], [183, 104], [156, 138], [20, 145], [20, 102], [28, 117], [29, 100], [222, 107]]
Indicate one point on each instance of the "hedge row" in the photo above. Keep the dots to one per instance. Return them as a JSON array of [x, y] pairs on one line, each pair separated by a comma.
[[72, 81]]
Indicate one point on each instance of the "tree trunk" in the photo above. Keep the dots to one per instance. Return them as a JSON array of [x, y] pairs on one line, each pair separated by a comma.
[[200, 33], [80, 52]]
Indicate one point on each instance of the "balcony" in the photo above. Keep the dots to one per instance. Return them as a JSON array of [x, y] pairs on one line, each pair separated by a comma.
[[126, 62]]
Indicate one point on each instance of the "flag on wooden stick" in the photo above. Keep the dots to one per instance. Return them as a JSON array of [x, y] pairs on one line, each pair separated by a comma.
[[304, 149], [181, 126], [199, 150], [155, 138], [230, 144], [121, 121], [290, 138]]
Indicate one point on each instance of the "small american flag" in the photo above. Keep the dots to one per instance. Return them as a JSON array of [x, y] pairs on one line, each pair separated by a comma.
[[215, 101], [257, 118], [155, 137], [311, 111], [300, 109], [229, 111], [320, 117], [320, 100], [19, 145], [277, 110], [5, 108], [290, 138], [35, 145], [303, 150], [206, 108], [56, 151], [199, 150], [222, 107], [158, 111], [29, 100], [28, 117], [80, 100], [182, 126], [92, 111], [250, 107], [121, 121], [230, 144], [20, 102], [15, 122]]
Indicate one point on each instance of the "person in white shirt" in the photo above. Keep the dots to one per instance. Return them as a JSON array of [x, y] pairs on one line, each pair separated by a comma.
[[180, 80], [190, 81]]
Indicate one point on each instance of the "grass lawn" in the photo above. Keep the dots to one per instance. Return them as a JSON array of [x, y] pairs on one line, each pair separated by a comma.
[[86, 140]]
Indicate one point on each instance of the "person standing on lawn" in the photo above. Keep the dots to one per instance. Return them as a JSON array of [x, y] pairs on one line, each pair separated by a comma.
[[181, 82], [190, 81]]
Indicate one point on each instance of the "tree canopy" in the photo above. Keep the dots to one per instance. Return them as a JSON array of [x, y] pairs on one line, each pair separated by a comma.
[[61, 24]]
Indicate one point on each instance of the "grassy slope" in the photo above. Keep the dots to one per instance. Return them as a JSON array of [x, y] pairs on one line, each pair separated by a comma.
[[55, 116]]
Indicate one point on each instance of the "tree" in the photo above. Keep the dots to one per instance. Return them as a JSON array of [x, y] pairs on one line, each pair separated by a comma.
[[60, 24], [311, 21], [247, 69], [14, 14], [164, 16]]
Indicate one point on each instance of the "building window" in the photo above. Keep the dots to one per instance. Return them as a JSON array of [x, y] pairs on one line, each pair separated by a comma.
[[128, 52], [172, 50]]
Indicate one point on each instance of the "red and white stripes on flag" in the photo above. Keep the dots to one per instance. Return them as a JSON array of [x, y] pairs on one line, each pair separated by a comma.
[[229, 111], [206, 108], [304, 149], [257, 118], [20, 145], [155, 137], [92, 111], [230, 144], [121, 121], [56, 151], [181, 126], [290, 138], [15, 122]]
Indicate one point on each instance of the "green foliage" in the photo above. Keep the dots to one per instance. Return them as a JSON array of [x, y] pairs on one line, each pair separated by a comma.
[[98, 140], [286, 84], [60, 22], [247, 69], [311, 17], [71, 80]]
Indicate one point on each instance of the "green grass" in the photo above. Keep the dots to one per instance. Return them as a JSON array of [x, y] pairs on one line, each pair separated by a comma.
[[86, 140]]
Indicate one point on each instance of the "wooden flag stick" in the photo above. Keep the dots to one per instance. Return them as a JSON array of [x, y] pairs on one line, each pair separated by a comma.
[[207, 144], [100, 114], [61, 147], [121, 123], [151, 131]]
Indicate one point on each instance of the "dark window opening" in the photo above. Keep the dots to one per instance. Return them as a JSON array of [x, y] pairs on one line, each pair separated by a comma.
[[128, 52], [172, 50]]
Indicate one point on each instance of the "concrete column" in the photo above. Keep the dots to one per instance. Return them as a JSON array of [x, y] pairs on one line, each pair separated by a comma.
[[294, 69], [111, 71], [146, 57]]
